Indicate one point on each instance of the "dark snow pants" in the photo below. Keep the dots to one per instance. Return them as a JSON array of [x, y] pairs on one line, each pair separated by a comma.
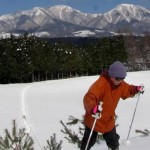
[[111, 138]]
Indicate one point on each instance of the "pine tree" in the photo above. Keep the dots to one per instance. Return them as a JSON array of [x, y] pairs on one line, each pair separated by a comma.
[[145, 132], [52, 144], [16, 140], [76, 137]]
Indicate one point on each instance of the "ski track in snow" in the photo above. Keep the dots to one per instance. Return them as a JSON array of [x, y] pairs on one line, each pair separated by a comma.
[[25, 113]]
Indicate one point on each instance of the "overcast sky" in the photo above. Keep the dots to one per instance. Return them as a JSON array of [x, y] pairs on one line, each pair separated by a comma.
[[87, 6]]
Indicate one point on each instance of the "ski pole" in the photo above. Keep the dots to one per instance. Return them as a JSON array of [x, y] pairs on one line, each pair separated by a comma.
[[133, 116], [96, 117]]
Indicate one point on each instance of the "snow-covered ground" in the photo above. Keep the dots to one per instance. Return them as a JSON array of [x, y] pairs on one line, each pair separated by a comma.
[[40, 106]]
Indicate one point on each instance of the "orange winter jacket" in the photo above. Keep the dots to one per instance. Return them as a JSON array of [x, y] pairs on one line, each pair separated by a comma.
[[103, 90]]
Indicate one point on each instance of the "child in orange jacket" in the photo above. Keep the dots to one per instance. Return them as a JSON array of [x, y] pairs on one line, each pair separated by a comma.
[[106, 93]]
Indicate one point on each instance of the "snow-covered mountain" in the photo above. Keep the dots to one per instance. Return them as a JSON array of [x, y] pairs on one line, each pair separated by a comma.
[[61, 20]]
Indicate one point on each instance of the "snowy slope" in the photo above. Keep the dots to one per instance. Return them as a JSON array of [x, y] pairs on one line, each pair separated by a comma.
[[40, 106]]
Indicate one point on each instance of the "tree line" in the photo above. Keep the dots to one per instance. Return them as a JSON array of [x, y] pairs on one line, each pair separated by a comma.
[[29, 58]]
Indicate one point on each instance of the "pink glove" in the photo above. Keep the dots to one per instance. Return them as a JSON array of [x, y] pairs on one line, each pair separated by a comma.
[[97, 108], [140, 89]]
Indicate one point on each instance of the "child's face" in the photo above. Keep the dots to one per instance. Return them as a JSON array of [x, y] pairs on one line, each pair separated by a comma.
[[116, 81]]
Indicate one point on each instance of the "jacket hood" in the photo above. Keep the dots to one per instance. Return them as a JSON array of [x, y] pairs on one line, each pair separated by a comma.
[[107, 77]]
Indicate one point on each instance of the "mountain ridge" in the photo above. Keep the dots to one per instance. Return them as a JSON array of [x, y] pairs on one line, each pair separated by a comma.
[[63, 20]]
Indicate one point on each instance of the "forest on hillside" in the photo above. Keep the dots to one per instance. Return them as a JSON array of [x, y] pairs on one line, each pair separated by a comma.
[[29, 58]]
